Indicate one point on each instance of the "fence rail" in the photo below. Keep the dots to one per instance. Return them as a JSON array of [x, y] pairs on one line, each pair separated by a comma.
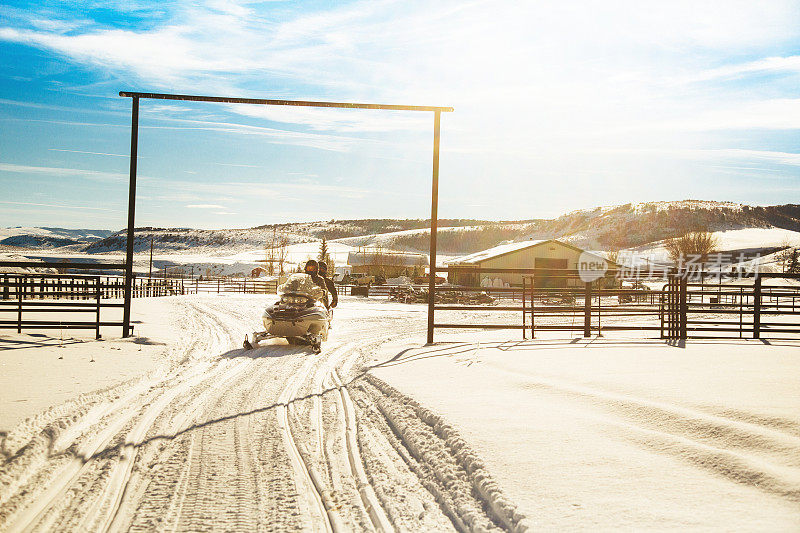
[[56, 294], [682, 306], [28, 300]]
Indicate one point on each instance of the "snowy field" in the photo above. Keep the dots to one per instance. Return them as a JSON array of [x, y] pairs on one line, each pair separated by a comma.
[[40, 369], [620, 433], [379, 432]]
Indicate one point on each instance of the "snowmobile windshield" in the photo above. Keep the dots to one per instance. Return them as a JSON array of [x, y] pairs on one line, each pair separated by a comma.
[[302, 284]]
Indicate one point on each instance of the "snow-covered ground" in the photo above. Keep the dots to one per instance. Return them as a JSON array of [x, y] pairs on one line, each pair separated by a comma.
[[738, 239], [380, 432], [42, 369], [621, 433], [217, 438]]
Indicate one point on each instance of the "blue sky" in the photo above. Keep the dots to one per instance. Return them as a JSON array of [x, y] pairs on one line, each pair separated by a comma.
[[558, 106]]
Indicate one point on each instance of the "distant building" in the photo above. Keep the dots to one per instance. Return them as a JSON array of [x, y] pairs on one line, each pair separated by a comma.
[[390, 264], [526, 254]]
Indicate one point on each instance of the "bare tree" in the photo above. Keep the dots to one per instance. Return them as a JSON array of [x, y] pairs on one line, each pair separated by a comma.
[[282, 245], [694, 244], [272, 252], [784, 256]]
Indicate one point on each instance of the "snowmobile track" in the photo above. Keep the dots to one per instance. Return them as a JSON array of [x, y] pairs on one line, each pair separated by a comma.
[[303, 472], [371, 503], [272, 439]]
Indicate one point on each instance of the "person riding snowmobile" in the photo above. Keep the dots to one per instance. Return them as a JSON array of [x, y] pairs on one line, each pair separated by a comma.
[[323, 273], [312, 269]]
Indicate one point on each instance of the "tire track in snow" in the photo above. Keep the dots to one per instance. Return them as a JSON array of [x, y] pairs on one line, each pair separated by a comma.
[[372, 505], [120, 476], [225, 439], [304, 476], [35, 515]]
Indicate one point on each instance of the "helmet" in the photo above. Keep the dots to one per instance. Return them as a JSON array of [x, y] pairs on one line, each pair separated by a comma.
[[323, 267], [311, 267]]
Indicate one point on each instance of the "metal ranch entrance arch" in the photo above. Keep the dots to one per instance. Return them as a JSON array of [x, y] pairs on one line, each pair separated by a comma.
[[135, 97]]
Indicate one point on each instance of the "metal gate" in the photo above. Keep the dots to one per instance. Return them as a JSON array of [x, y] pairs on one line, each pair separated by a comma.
[[673, 307]]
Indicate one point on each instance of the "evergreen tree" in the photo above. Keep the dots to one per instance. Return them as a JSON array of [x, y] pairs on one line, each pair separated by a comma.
[[794, 265], [324, 255]]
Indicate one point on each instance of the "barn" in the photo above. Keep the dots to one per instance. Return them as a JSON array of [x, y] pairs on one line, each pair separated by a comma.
[[525, 254]]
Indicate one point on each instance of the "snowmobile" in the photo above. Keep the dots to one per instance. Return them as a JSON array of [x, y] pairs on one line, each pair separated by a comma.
[[300, 316]]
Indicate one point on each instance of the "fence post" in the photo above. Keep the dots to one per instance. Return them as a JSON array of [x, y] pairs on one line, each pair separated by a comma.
[[524, 333], [533, 311], [757, 308], [19, 306], [741, 309], [587, 310], [683, 307], [99, 289]]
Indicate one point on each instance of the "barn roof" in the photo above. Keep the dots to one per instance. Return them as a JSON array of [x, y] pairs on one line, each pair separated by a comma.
[[502, 249]]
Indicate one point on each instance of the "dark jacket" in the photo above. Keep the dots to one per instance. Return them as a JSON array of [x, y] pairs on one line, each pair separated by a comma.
[[332, 290]]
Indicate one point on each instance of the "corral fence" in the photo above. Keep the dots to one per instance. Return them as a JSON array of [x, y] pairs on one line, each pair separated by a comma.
[[514, 293], [50, 301], [239, 285], [144, 287], [674, 304], [51, 295]]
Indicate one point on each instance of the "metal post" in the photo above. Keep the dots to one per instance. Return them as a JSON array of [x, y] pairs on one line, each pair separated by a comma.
[[757, 308], [97, 318], [683, 308], [741, 291], [523, 309], [126, 314], [434, 225], [587, 310], [533, 312], [20, 283], [599, 308]]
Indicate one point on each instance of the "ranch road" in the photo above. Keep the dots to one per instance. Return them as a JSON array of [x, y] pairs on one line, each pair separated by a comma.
[[271, 439]]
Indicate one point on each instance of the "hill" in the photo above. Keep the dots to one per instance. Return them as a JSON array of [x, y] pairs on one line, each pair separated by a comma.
[[613, 227]]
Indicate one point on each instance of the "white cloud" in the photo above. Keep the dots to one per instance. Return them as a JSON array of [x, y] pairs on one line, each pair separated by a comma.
[[60, 206], [782, 158], [774, 114], [59, 171], [83, 152], [205, 206], [788, 64]]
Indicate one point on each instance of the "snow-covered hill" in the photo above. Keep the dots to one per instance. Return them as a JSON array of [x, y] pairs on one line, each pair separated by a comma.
[[611, 227], [23, 237]]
